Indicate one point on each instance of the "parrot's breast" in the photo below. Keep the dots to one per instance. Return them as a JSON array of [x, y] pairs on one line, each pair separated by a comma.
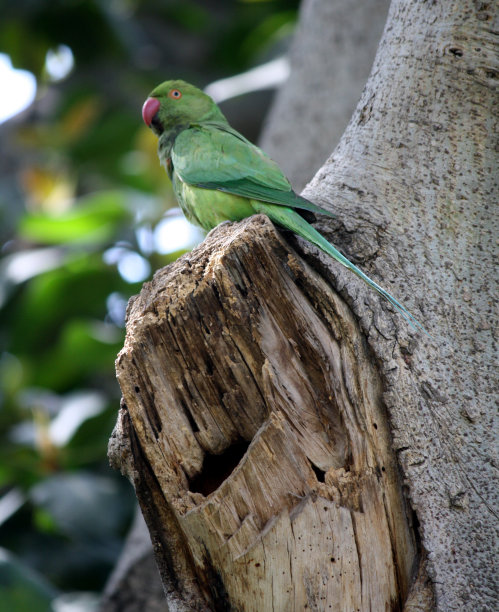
[[209, 207]]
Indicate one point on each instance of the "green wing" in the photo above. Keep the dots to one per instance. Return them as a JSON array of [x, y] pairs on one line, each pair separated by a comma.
[[214, 156]]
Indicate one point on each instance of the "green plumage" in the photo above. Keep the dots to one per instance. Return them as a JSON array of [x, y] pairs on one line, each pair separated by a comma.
[[218, 175]]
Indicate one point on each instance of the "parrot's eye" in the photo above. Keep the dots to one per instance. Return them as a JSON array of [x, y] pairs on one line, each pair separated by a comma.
[[175, 94]]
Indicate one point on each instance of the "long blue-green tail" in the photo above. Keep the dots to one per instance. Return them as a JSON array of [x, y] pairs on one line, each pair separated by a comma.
[[291, 220]]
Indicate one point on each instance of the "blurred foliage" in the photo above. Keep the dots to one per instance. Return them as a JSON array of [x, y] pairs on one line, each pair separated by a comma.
[[81, 194]]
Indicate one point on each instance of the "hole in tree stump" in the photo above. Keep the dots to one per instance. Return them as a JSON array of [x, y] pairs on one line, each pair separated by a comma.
[[216, 468], [319, 474]]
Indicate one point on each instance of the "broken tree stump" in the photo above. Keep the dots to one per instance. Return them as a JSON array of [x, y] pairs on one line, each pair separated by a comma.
[[253, 429]]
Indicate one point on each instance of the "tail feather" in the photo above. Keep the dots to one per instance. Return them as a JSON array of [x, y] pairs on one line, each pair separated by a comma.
[[293, 221]]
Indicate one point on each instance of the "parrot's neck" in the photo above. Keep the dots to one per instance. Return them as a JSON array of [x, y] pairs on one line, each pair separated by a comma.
[[165, 144]]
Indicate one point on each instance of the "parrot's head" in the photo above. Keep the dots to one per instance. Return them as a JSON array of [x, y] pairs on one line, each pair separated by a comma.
[[177, 103]]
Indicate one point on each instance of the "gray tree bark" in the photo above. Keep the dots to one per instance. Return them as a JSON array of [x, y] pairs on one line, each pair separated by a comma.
[[135, 584], [331, 57], [413, 186]]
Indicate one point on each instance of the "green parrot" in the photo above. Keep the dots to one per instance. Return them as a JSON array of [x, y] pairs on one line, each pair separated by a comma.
[[218, 175]]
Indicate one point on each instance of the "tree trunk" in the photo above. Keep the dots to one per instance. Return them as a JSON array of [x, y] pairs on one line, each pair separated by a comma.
[[331, 57], [134, 585], [279, 434]]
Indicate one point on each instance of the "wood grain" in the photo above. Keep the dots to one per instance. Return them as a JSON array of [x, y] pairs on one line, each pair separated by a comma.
[[254, 431]]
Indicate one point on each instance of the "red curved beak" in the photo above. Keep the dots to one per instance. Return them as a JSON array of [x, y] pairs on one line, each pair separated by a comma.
[[150, 108]]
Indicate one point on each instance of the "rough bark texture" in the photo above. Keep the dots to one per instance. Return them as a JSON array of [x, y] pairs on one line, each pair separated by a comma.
[[281, 363], [331, 56]]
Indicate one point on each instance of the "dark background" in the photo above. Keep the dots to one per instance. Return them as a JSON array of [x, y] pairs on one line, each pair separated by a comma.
[[81, 193]]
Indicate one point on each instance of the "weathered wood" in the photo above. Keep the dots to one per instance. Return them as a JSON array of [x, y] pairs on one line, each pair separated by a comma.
[[256, 436]]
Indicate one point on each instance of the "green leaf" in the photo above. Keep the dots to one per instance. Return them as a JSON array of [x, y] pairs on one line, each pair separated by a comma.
[[93, 221], [21, 588], [84, 505], [80, 351], [78, 290], [89, 443]]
